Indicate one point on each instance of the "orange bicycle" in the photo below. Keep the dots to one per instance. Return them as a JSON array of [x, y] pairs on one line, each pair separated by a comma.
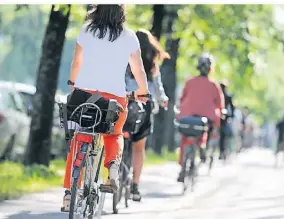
[[85, 124]]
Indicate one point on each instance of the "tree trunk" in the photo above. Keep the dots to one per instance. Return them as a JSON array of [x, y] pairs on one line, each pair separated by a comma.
[[170, 80], [164, 130], [157, 29], [38, 150], [158, 17]]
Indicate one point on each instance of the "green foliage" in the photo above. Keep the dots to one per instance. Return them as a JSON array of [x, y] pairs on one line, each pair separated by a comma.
[[244, 39], [21, 34], [240, 37], [139, 16], [152, 158], [22, 45], [16, 179]]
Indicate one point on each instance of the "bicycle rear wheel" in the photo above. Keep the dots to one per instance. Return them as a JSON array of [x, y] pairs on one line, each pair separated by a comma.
[[186, 167], [116, 198], [127, 180], [124, 177], [189, 168], [127, 191], [80, 190], [211, 152]]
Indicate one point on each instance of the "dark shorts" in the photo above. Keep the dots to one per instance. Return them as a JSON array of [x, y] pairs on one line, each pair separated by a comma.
[[147, 128]]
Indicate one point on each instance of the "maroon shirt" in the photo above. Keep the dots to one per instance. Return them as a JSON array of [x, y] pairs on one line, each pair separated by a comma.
[[202, 97]]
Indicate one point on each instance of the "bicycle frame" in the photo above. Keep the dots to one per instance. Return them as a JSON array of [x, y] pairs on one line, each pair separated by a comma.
[[87, 153]]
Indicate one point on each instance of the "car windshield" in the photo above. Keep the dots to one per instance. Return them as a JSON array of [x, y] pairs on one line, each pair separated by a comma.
[[27, 99], [19, 102], [8, 99]]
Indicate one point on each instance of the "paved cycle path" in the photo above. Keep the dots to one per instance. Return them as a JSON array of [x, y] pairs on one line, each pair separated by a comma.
[[247, 187]]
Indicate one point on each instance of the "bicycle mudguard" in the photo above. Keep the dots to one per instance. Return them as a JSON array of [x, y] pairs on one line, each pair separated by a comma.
[[80, 157]]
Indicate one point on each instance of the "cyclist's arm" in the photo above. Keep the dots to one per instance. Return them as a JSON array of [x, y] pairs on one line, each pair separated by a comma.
[[220, 100], [138, 71], [158, 85], [78, 54], [76, 63], [232, 106]]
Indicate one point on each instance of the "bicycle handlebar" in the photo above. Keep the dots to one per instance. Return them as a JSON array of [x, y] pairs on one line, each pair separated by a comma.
[[131, 96], [176, 110]]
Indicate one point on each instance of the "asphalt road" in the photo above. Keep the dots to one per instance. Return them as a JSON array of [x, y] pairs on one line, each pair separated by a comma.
[[247, 187]]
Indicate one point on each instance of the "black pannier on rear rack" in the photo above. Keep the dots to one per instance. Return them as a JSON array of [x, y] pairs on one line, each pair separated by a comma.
[[88, 113], [192, 126], [135, 117]]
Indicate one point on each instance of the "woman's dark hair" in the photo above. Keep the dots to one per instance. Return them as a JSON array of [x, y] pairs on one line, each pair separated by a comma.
[[106, 18], [224, 84], [204, 64], [151, 50]]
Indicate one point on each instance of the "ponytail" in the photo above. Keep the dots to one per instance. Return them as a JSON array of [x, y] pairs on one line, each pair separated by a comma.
[[203, 69]]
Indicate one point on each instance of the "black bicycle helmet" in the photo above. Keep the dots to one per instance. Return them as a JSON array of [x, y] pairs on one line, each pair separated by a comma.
[[204, 63]]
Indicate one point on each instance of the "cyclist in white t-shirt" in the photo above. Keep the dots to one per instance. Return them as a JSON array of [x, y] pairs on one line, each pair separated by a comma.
[[104, 48]]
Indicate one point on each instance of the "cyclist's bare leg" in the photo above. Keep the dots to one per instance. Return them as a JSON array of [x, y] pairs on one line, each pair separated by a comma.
[[138, 156], [113, 147]]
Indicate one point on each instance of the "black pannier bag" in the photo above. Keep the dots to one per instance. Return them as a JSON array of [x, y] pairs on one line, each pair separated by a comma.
[[135, 117], [192, 126], [110, 111]]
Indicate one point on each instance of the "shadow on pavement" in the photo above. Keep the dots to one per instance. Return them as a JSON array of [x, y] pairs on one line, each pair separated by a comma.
[[51, 215], [275, 198], [157, 195], [151, 212], [28, 215], [270, 217], [259, 166], [267, 207]]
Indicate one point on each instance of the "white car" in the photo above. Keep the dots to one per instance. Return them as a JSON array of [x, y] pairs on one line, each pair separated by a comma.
[[26, 92], [14, 125]]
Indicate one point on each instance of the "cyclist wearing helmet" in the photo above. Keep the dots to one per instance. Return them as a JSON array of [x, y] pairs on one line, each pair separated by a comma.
[[201, 96], [151, 52]]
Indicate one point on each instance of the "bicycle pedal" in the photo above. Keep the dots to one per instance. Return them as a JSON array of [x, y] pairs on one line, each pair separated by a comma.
[[106, 188]]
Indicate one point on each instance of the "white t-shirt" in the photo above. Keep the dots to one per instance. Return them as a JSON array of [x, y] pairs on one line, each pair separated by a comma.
[[105, 62]]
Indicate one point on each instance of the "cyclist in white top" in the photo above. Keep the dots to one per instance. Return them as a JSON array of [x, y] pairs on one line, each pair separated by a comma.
[[104, 48]]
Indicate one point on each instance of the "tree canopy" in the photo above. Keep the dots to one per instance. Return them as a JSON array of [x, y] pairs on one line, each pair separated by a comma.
[[245, 40]]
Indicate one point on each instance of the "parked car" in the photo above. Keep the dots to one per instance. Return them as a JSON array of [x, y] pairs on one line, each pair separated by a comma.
[[14, 125], [26, 93]]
